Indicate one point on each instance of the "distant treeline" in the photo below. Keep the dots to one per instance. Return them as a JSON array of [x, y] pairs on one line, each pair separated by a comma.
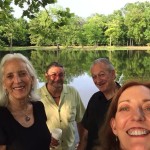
[[129, 26]]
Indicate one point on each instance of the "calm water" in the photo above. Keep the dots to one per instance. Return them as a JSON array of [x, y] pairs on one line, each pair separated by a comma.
[[129, 65], [84, 84]]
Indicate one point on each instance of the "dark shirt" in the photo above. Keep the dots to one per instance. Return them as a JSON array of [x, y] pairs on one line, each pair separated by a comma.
[[17, 137], [94, 116]]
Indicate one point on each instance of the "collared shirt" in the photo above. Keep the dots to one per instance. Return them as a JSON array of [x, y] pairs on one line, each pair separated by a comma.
[[63, 116]]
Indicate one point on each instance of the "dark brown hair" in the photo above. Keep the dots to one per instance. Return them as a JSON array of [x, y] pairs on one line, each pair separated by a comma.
[[53, 64], [107, 140]]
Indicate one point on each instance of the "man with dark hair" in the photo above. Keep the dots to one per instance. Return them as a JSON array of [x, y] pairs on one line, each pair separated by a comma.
[[63, 105]]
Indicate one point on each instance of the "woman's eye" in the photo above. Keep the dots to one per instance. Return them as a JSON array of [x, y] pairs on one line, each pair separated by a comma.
[[9, 76], [124, 109], [22, 74]]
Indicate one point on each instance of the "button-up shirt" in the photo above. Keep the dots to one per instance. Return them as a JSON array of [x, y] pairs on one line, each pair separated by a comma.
[[64, 115]]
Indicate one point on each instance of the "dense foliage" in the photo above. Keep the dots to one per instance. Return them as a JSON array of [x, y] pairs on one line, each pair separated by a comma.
[[128, 64], [30, 7], [58, 26]]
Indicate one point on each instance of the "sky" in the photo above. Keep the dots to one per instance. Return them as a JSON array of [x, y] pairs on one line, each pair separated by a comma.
[[85, 8]]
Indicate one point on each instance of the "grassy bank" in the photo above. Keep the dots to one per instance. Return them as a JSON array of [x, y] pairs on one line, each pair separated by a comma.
[[110, 48]]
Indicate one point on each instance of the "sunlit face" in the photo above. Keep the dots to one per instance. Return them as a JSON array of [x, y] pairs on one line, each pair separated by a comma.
[[102, 77], [55, 77], [16, 79], [132, 121]]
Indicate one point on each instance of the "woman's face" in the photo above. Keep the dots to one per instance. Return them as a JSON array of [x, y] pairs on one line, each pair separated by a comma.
[[16, 79], [132, 121]]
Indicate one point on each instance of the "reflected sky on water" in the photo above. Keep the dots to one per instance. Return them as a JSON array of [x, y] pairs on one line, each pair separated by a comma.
[[83, 84], [128, 65]]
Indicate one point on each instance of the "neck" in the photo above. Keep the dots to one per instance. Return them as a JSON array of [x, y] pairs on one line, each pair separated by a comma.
[[21, 111], [55, 92], [56, 96], [109, 94], [17, 106]]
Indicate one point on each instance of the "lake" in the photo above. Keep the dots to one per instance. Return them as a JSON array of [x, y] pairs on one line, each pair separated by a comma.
[[86, 89], [129, 65]]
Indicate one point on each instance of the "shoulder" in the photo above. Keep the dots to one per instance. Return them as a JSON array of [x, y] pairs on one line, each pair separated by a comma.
[[69, 88], [96, 98], [118, 85], [39, 110], [37, 104], [96, 95], [3, 109], [43, 88], [43, 92], [3, 113]]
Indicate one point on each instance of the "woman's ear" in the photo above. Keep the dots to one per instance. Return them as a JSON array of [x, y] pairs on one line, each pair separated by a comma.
[[4, 86], [113, 126], [32, 80]]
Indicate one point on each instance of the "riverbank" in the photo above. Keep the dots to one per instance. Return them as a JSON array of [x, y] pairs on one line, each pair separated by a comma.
[[109, 48]]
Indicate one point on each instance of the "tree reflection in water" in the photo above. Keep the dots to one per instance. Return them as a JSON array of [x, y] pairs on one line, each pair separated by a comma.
[[129, 65]]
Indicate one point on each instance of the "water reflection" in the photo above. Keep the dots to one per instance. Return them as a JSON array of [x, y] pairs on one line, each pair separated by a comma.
[[129, 65], [84, 84]]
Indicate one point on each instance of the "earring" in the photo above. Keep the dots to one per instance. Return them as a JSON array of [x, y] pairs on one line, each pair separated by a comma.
[[116, 139], [32, 87], [5, 92]]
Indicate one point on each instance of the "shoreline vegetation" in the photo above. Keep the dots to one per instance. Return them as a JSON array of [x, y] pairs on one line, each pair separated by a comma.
[[88, 48]]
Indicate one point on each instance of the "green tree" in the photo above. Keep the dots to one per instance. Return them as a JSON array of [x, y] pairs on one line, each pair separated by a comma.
[[94, 29], [32, 6], [21, 35], [70, 33], [5, 18], [14, 32], [115, 28], [41, 29], [137, 20], [45, 29]]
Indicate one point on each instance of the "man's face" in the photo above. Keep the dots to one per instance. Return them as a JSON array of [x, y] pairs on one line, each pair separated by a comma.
[[102, 77], [55, 77]]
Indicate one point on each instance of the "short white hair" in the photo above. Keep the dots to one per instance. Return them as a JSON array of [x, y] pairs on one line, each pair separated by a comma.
[[105, 61]]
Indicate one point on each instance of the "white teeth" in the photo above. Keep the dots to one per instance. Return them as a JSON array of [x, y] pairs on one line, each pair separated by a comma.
[[137, 132], [17, 88]]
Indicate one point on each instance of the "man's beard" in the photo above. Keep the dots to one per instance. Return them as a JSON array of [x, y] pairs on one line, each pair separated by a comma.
[[58, 84]]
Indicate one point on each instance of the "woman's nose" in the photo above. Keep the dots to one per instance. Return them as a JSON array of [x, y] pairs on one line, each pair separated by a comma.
[[138, 115], [17, 79]]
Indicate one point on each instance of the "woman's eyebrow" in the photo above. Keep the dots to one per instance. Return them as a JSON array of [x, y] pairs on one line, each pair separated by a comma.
[[146, 100], [123, 101]]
